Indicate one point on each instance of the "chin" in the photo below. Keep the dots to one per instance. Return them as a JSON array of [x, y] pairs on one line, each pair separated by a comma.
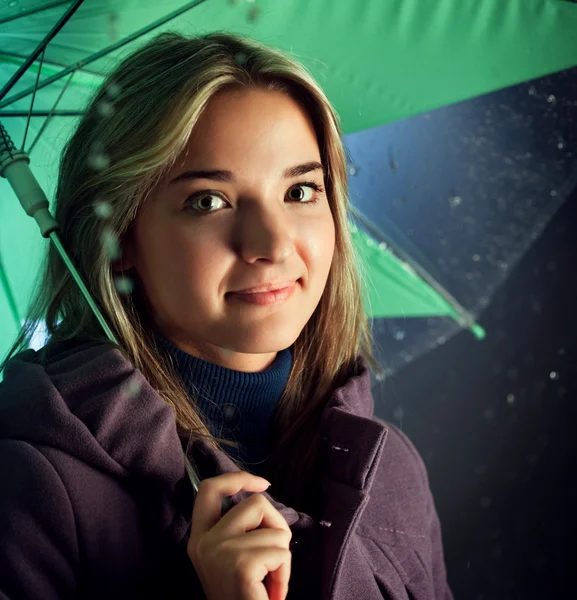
[[262, 344]]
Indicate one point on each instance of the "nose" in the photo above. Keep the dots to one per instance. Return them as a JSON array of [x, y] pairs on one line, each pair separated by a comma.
[[265, 233]]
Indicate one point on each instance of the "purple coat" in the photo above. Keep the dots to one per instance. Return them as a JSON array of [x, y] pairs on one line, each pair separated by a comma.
[[95, 502]]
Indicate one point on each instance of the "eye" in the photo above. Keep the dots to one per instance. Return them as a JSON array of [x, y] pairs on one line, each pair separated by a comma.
[[203, 202], [309, 196]]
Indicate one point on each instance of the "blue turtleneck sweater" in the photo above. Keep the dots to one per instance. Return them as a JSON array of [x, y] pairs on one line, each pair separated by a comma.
[[237, 406]]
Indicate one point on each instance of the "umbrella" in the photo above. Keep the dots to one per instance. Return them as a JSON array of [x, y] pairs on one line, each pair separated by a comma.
[[402, 75]]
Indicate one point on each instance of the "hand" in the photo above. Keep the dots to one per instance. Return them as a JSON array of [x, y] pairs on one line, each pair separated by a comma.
[[245, 554]]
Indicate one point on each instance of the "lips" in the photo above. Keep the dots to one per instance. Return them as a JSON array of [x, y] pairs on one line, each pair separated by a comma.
[[267, 287]]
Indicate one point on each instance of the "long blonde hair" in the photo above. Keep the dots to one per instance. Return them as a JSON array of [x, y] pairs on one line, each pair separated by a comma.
[[134, 128]]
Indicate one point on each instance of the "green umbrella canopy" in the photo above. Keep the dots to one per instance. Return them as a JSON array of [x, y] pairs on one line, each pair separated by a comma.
[[378, 62]]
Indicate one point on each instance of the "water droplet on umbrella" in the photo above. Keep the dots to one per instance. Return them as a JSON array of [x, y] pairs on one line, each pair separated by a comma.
[[476, 257], [510, 398], [12, 4], [399, 335], [551, 99], [104, 109], [553, 192], [123, 284], [455, 200], [502, 265], [352, 170], [560, 145], [532, 91], [103, 210], [380, 376], [110, 244], [383, 246], [441, 339], [554, 375]]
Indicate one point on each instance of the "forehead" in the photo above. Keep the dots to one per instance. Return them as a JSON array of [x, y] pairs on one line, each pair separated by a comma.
[[243, 130]]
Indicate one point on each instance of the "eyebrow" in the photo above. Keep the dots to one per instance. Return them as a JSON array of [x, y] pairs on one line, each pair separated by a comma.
[[225, 176]]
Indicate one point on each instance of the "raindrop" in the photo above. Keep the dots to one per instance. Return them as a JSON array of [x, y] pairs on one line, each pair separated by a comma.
[[229, 411], [485, 502], [489, 414], [560, 145], [105, 109], [380, 377], [113, 89], [240, 58], [502, 265], [383, 246], [98, 161], [553, 193], [399, 335], [554, 375], [12, 4], [527, 155], [455, 200], [352, 170], [532, 91], [123, 284], [441, 339], [103, 210], [132, 388], [510, 398], [476, 257], [97, 158], [551, 99], [110, 244]]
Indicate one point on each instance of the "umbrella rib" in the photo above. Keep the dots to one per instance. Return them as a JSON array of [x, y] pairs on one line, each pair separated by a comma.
[[50, 115], [40, 48], [43, 113], [96, 55], [50, 62], [465, 318], [33, 98], [33, 11]]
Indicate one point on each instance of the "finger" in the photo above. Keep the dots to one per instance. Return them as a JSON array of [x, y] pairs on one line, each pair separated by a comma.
[[253, 512], [208, 502]]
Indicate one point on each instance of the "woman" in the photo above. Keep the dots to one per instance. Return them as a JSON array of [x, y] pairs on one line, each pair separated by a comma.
[[218, 164]]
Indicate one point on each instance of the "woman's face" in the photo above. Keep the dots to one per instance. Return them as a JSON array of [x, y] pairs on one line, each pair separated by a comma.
[[229, 216]]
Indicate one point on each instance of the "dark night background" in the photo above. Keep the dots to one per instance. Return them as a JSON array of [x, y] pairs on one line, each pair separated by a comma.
[[495, 424]]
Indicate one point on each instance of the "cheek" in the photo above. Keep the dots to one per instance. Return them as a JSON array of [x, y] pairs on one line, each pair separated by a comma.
[[319, 242]]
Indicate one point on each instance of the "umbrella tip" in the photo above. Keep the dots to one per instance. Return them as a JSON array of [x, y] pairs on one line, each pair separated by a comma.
[[478, 331]]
